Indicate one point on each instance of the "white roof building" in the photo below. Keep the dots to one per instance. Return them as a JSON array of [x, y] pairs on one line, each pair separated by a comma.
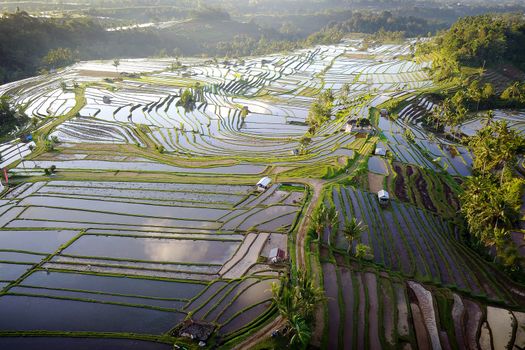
[[264, 183], [383, 196], [380, 151], [277, 255]]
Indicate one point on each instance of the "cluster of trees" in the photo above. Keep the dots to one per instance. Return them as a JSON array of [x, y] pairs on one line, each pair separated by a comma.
[[29, 44], [320, 110], [477, 41], [247, 45], [473, 96], [296, 300], [491, 200], [10, 118], [59, 57], [326, 218], [386, 21], [187, 100]]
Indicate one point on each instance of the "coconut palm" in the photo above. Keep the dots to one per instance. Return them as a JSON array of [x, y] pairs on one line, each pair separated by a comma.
[[318, 219], [296, 300], [116, 63], [324, 217], [363, 251], [353, 230], [490, 118], [308, 294], [300, 332]]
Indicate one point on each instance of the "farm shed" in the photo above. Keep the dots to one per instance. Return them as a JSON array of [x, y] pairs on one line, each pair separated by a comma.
[[384, 112], [380, 151], [264, 183], [361, 125], [383, 197], [277, 255]]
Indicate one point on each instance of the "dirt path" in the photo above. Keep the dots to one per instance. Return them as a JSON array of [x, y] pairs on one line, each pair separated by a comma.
[[317, 186], [261, 334]]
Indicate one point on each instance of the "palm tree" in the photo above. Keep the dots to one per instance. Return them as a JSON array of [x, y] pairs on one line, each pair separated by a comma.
[[308, 294], [352, 231], [300, 332], [296, 302], [116, 63], [513, 93], [331, 218], [490, 118], [324, 217], [363, 251], [318, 219]]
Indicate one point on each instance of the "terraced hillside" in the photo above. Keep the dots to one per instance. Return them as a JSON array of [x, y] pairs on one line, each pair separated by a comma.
[[133, 219]]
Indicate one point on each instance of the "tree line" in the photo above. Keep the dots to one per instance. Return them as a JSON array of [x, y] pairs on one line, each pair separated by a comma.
[[29, 44], [477, 42], [491, 198]]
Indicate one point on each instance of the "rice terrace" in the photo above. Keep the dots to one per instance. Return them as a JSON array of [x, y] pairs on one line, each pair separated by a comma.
[[255, 202]]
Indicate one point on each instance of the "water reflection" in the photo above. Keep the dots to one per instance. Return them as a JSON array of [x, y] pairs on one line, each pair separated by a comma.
[[154, 249]]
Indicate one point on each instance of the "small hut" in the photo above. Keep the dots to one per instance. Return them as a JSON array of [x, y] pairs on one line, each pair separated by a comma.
[[277, 255], [361, 125], [384, 112], [199, 331], [350, 125], [379, 151], [264, 183], [383, 197]]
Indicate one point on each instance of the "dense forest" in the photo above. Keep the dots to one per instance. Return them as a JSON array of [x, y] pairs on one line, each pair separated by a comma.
[[29, 44], [478, 42], [466, 58]]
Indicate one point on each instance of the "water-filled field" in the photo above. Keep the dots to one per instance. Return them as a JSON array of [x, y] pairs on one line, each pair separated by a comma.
[[131, 214], [81, 256]]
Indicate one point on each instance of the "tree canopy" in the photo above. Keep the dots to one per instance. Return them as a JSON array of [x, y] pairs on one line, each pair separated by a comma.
[[491, 199], [9, 117], [489, 38]]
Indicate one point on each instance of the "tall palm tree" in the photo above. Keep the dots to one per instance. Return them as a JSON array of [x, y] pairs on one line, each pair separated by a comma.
[[490, 118], [363, 251], [318, 219], [116, 63], [300, 332], [296, 301], [331, 218], [353, 230], [308, 294], [324, 217]]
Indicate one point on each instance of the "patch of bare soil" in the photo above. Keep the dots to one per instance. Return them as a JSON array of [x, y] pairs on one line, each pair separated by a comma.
[[451, 198], [375, 182], [474, 315], [422, 189], [399, 184], [421, 332]]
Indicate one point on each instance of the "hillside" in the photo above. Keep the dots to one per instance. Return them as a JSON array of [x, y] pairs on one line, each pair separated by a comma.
[[341, 194]]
